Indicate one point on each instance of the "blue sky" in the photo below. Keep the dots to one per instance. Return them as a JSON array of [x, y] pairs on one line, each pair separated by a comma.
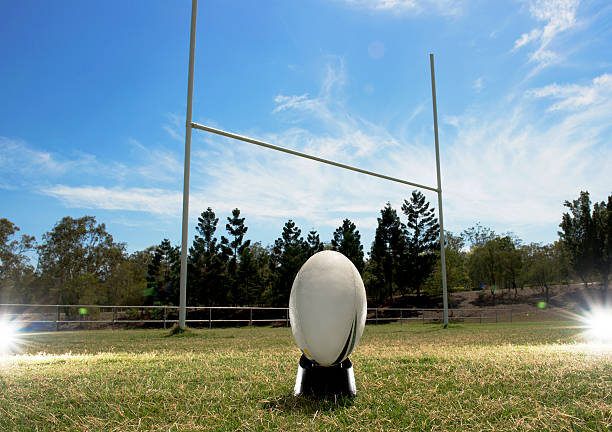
[[93, 98]]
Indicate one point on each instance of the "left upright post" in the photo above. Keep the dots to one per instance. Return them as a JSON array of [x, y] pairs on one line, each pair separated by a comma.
[[183, 288]]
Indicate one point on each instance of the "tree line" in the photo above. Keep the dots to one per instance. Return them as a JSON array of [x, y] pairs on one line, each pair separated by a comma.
[[79, 262]]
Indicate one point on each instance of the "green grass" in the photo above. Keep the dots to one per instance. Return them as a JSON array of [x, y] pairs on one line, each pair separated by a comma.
[[503, 377]]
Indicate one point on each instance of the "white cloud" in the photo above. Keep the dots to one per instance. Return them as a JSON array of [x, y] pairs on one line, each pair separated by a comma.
[[176, 127], [24, 166], [20, 164], [153, 201], [414, 7], [289, 102], [515, 169], [558, 16], [527, 37], [157, 164], [575, 97], [416, 111], [478, 84]]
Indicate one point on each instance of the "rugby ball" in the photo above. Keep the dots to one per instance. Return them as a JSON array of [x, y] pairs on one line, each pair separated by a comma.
[[327, 308]]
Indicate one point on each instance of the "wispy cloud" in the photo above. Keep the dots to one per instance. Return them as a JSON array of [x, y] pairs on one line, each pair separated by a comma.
[[157, 164], [153, 201], [574, 96], [415, 7], [175, 127], [21, 164], [557, 16], [289, 102], [111, 183]]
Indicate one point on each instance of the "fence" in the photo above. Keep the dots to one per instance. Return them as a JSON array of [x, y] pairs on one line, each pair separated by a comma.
[[95, 316]]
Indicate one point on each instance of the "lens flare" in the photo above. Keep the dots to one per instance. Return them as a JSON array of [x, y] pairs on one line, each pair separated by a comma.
[[8, 336], [599, 324]]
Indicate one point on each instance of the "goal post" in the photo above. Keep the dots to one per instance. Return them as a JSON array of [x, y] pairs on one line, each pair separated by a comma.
[[191, 125]]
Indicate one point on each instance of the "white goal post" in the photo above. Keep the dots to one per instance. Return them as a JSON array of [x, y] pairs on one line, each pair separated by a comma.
[[191, 125]]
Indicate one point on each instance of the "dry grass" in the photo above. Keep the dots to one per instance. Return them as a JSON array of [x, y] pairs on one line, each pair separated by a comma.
[[503, 377]]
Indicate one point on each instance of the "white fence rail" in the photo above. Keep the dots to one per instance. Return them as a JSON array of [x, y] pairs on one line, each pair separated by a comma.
[[70, 316]]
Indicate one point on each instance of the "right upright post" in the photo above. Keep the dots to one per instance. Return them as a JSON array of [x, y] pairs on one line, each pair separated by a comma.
[[440, 213]]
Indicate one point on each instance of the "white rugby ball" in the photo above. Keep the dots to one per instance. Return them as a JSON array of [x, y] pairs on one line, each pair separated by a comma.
[[327, 308]]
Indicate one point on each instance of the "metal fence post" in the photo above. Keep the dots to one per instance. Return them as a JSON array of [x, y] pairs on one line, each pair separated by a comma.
[[165, 314], [376, 314], [57, 318], [423, 316], [287, 318], [209, 317], [251, 317], [114, 316]]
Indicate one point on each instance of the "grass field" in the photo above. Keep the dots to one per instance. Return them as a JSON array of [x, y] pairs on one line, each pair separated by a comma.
[[503, 377]]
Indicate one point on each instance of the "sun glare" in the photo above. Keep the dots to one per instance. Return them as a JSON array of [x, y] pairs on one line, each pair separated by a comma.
[[599, 324], [8, 336]]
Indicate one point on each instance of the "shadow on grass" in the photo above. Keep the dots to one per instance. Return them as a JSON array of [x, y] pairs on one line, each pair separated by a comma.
[[308, 404], [176, 331]]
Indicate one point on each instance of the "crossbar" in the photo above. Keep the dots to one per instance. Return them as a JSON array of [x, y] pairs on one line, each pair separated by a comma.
[[306, 156]]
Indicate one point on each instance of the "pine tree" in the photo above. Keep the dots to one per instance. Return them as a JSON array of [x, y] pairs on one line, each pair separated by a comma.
[[314, 243], [422, 242], [386, 253], [234, 249], [236, 228], [347, 241], [163, 275], [289, 252], [248, 278], [207, 275]]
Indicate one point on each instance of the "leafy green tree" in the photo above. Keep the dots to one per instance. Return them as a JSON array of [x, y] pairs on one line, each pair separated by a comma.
[[456, 267], [132, 277], [578, 235], [478, 235], [347, 241], [543, 266], [289, 252], [75, 254], [480, 259], [510, 260], [602, 241], [16, 272], [163, 275], [422, 242], [496, 262], [386, 254]]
